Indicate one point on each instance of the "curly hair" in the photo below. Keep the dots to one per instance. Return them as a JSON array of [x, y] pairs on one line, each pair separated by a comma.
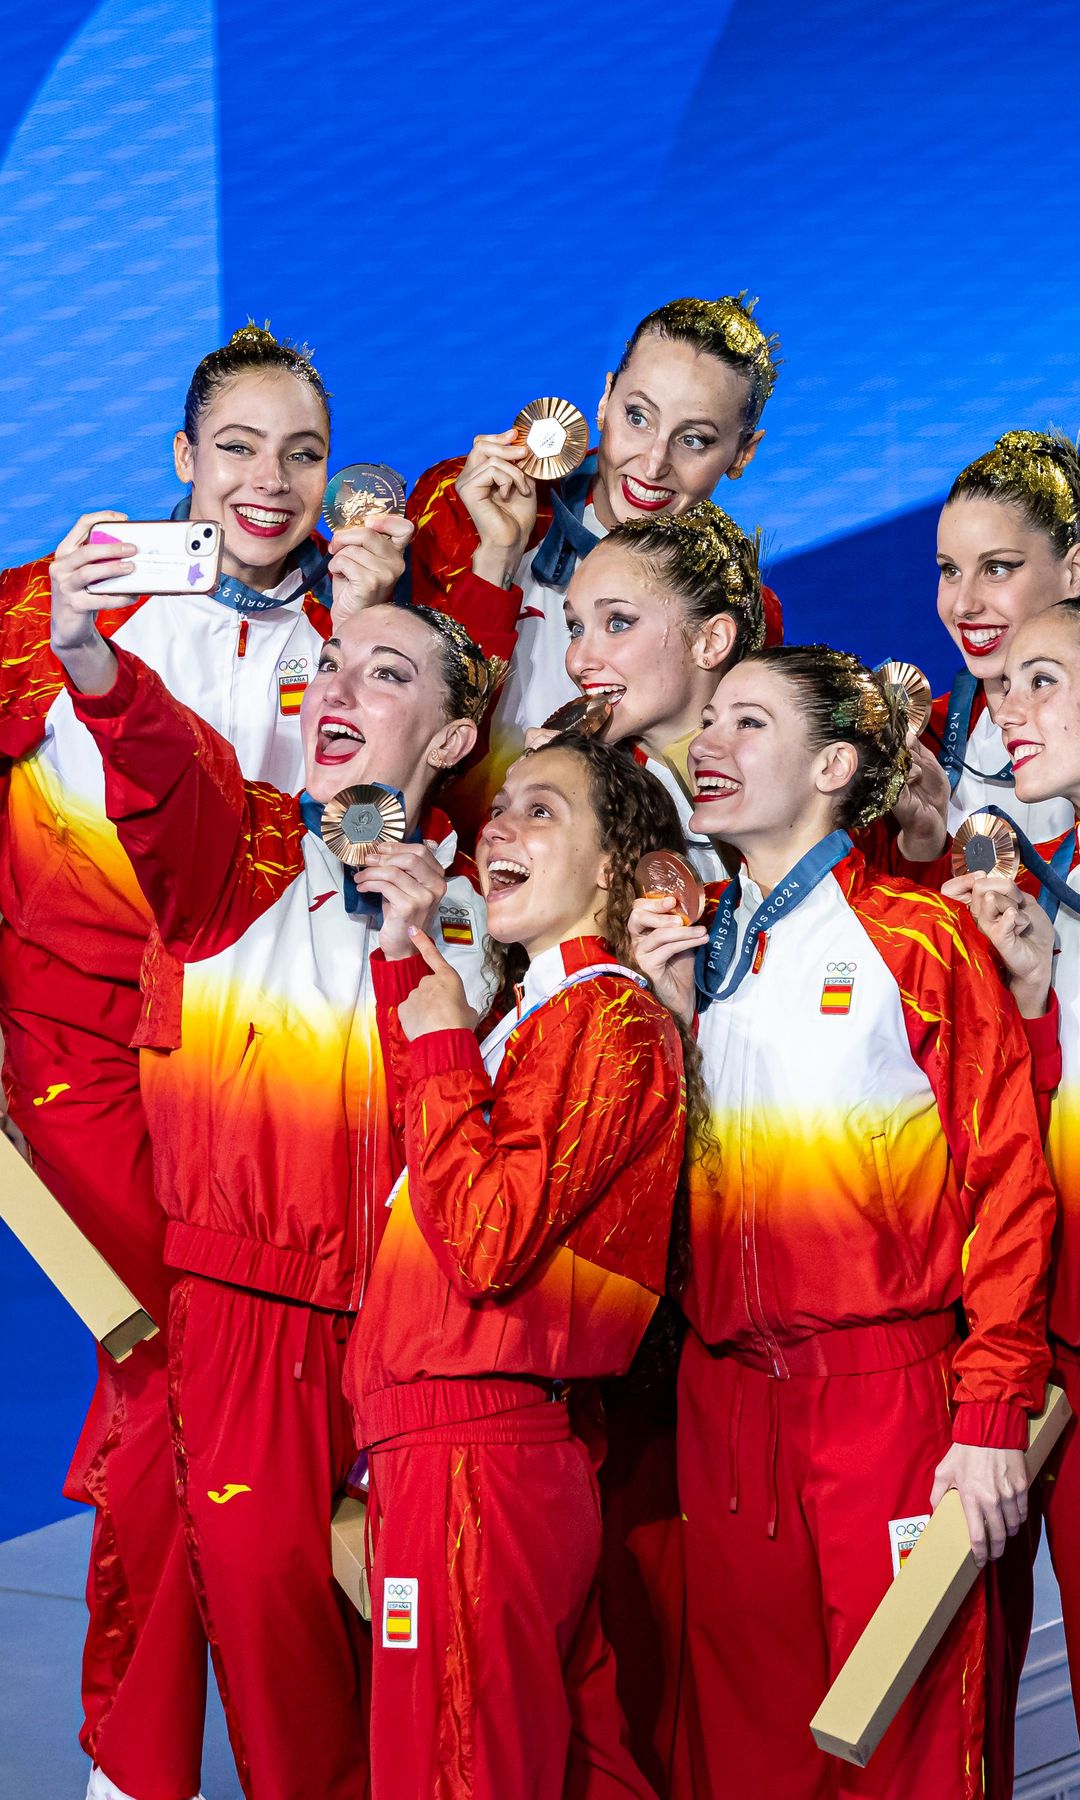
[[702, 556], [843, 701], [634, 814], [251, 348], [1037, 471], [724, 328]]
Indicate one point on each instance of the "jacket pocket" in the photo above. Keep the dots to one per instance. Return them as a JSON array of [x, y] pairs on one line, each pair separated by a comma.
[[887, 1196]]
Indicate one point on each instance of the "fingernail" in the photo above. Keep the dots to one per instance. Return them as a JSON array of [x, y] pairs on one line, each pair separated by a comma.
[[412, 930]]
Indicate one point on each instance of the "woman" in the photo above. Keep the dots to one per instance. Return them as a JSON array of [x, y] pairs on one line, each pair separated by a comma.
[[1035, 929], [525, 1257], [877, 1167], [681, 410], [1008, 547], [272, 1147]]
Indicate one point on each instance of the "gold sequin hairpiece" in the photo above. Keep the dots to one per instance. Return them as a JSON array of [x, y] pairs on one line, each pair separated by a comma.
[[707, 551], [260, 337], [479, 675], [1039, 468], [722, 327]]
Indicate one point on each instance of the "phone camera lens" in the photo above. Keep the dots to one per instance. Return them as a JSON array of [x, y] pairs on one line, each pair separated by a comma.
[[208, 534]]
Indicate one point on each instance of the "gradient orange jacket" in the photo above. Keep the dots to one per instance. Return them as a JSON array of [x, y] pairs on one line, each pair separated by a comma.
[[273, 1154], [532, 1236], [879, 1153]]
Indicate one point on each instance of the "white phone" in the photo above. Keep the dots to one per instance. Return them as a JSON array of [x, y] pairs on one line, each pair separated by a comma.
[[172, 556]]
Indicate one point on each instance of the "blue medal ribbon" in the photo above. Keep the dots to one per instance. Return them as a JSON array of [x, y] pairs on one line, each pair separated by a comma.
[[566, 538], [366, 906], [954, 740], [307, 558], [1052, 875], [715, 958]]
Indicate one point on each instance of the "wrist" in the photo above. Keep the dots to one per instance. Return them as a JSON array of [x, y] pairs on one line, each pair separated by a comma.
[[1031, 995], [921, 844], [496, 565], [91, 666]]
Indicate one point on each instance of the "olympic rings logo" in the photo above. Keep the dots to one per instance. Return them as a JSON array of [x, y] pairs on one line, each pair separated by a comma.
[[292, 665], [841, 968], [401, 1590], [911, 1528]]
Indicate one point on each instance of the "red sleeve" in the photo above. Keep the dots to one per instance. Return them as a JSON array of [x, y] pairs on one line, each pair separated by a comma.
[[497, 1177], [965, 1033], [211, 851], [774, 617], [30, 675], [393, 982], [1044, 1044]]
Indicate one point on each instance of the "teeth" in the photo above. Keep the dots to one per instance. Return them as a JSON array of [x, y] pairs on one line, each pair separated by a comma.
[[600, 690], [503, 866], [986, 635], [641, 492], [343, 731], [716, 784], [260, 515], [1024, 752]]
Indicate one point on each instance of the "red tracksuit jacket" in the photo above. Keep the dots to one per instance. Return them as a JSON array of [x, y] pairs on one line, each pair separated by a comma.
[[879, 1148], [273, 1154], [532, 1237]]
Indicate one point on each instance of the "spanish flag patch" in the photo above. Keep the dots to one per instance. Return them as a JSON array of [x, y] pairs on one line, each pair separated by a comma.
[[290, 694], [455, 923], [837, 988]]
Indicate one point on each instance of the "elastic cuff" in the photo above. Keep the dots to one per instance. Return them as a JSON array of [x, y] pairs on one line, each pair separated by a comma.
[[438, 1052], [395, 980], [117, 699], [995, 1424], [1042, 1033]]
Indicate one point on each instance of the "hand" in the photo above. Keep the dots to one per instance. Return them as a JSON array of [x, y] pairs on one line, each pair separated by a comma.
[[992, 1485], [664, 948], [75, 638], [923, 807], [501, 502], [367, 562], [1019, 930], [439, 1002], [411, 883]]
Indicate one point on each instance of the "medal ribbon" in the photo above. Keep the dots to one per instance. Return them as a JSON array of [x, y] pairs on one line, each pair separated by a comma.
[[566, 538], [367, 906], [1051, 875], [509, 1024], [308, 559], [715, 958], [957, 727]]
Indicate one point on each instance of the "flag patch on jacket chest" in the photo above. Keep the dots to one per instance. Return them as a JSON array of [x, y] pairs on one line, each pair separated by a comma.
[[456, 925], [290, 694], [401, 1604], [837, 988]]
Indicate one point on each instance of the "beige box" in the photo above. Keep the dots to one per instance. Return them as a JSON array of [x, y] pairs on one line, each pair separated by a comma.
[[81, 1274], [348, 1550], [912, 1618]]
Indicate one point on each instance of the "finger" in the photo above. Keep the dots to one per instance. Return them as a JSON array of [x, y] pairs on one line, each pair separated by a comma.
[[102, 571], [959, 888], [976, 1525], [82, 525], [393, 526], [422, 943], [1010, 1513], [941, 1486], [995, 1527]]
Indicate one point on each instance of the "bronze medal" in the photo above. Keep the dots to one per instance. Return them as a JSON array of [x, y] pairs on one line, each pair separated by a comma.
[[360, 820], [662, 872], [556, 435], [985, 845], [589, 716], [355, 493], [915, 685]]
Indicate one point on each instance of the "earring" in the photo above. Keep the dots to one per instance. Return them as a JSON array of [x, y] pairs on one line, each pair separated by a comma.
[[735, 474], [435, 762]]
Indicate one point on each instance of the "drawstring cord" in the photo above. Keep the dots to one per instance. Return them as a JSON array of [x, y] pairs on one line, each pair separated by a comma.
[[772, 1448]]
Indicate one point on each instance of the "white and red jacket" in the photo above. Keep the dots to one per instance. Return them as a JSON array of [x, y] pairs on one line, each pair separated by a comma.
[[266, 1103], [879, 1154]]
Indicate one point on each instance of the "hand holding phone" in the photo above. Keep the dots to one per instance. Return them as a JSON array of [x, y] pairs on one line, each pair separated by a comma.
[[160, 556]]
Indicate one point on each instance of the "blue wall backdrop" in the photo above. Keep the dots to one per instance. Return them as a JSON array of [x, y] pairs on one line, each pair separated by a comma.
[[460, 211]]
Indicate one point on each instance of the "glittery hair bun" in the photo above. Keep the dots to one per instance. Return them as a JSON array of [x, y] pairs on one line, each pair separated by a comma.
[[471, 676], [251, 348], [843, 700], [724, 328], [1039, 471], [705, 558]]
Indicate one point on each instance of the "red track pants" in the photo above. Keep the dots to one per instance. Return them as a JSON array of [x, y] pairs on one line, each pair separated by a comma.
[[263, 1444], [787, 1489], [1059, 1491], [506, 1688], [74, 1093]]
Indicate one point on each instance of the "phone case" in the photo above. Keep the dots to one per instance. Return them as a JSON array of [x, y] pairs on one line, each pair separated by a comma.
[[173, 556]]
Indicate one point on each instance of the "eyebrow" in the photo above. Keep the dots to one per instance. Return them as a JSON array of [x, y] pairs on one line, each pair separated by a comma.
[[392, 650], [640, 394], [544, 787], [1032, 660], [307, 431], [333, 643], [943, 555]]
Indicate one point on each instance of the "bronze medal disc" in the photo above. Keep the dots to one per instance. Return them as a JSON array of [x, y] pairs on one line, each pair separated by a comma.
[[360, 819], [353, 494], [556, 436], [915, 685], [588, 716], [662, 872], [985, 845]]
